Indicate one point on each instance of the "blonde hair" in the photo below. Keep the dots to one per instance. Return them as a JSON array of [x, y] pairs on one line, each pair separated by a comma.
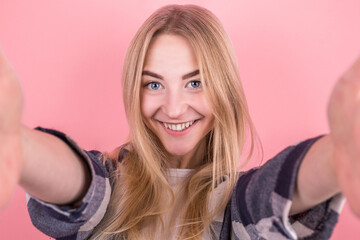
[[140, 190]]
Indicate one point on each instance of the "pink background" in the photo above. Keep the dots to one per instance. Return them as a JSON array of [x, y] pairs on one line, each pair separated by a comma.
[[69, 57]]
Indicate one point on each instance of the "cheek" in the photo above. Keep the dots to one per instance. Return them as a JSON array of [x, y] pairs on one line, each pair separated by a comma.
[[146, 111], [144, 107], [203, 106], [148, 106]]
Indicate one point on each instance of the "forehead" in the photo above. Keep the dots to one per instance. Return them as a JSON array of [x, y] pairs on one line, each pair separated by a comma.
[[171, 52]]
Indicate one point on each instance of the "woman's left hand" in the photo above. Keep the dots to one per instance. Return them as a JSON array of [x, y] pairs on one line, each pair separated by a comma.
[[11, 153], [344, 121]]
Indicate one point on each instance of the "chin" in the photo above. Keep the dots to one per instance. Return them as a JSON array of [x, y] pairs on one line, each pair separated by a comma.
[[175, 151]]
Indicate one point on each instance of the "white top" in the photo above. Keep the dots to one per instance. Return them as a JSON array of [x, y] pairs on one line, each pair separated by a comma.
[[171, 218]]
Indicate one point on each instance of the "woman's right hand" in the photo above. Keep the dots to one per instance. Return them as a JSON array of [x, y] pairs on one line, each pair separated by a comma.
[[11, 156]]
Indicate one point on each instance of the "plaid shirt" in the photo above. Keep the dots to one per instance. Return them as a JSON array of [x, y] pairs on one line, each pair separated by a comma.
[[258, 209]]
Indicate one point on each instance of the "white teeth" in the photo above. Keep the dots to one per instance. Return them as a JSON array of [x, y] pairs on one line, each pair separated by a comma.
[[178, 127]]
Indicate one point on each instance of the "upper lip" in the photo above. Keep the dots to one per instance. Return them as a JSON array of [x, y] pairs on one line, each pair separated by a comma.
[[178, 122]]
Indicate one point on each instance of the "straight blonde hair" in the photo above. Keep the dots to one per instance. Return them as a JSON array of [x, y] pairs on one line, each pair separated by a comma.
[[140, 191]]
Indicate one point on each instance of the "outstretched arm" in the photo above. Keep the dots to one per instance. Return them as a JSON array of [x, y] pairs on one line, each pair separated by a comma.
[[51, 170], [332, 164], [41, 163]]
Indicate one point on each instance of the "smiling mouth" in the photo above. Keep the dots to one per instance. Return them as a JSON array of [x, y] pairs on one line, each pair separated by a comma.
[[178, 127]]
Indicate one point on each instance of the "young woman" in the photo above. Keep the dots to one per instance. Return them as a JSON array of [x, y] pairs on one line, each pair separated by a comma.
[[176, 177]]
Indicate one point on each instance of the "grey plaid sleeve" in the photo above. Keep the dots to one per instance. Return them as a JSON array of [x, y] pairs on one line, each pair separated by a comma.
[[260, 205], [67, 222]]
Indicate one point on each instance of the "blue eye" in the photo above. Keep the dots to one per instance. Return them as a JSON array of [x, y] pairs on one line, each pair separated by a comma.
[[153, 85], [194, 84]]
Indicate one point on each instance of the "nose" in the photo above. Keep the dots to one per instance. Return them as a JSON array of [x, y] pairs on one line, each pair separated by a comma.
[[175, 104]]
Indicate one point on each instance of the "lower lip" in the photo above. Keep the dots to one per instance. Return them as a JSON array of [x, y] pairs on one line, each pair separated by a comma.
[[179, 133]]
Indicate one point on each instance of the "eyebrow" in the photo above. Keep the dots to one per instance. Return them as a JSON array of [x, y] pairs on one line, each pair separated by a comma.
[[155, 75]]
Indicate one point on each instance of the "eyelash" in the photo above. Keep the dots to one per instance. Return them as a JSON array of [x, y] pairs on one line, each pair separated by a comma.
[[148, 85]]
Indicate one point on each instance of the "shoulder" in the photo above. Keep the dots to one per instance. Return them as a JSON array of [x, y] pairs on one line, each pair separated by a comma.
[[278, 172], [113, 160], [262, 198]]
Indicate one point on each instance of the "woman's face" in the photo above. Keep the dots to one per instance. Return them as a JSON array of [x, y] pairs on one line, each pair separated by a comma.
[[173, 102]]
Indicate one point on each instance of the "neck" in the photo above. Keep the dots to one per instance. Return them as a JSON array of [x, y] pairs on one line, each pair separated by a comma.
[[190, 160]]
